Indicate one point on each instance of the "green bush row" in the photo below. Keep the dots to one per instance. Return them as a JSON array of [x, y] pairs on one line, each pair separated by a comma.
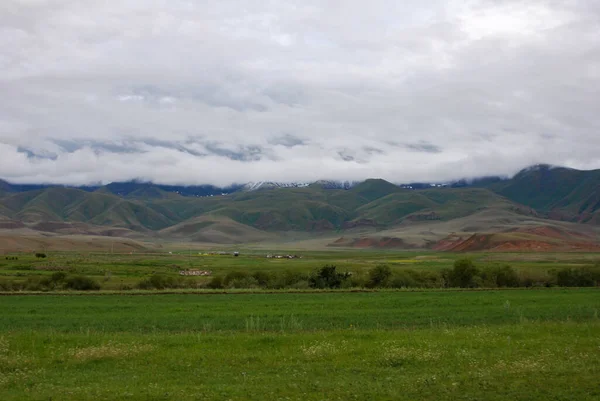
[[464, 274], [57, 281]]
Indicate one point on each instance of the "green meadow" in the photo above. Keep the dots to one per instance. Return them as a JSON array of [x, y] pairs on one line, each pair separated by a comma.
[[534, 344], [242, 341]]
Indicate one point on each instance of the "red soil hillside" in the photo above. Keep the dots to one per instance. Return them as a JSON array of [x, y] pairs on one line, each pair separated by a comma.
[[536, 239], [371, 242], [555, 232]]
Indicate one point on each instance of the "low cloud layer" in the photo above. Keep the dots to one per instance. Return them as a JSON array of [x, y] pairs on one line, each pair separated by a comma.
[[228, 92]]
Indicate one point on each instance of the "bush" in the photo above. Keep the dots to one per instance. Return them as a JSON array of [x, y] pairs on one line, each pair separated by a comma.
[[464, 274], [300, 285], [263, 279], [417, 279], [246, 282], [5, 285], [500, 276], [327, 277], [159, 282], [81, 283], [288, 279], [145, 285], [58, 277], [379, 276], [234, 276], [34, 284], [403, 279], [215, 283], [40, 255], [582, 277]]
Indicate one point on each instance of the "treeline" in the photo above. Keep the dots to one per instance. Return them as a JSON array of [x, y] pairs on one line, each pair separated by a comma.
[[56, 282], [463, 274]]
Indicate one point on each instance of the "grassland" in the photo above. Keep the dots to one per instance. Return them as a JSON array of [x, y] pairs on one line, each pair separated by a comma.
[[232, 344], [494, 345], [306, 311]]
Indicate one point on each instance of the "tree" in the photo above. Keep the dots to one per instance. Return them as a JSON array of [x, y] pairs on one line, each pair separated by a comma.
[[379, 276], [463, 274], [327, 277]]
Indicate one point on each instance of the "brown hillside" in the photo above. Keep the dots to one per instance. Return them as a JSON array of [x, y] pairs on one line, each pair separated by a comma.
[[531, 239], [371, 243], [34, 243]]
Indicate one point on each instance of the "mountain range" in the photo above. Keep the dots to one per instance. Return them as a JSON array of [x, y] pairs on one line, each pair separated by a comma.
[[559, 199]]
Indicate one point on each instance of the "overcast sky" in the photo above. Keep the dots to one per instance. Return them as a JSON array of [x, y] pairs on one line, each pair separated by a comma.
[[192, 92]]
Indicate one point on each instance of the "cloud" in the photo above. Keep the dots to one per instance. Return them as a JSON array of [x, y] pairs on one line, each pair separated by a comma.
[[190, 92]]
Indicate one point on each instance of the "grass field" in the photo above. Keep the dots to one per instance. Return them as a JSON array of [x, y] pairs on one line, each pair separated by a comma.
[[433, 345], [293, 344]]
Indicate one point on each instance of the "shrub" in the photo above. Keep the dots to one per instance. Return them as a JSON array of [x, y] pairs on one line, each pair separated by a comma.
[[40, 255], [463, 274], [159, 282], [215, 283], [263, 279], [403, 279], [536, 278], [246, 282], [81, 283], [582, 277], [288, 279], [5, 285], [34, 284], [357, 280], [379, 276], [327, 277], [145, 285], [300, 285], [58, 277], [500, 276], [428, 279], [234, 276], [190, 283], [417, 279]]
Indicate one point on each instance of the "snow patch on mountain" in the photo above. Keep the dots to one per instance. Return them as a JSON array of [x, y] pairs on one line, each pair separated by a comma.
[[253, 186]]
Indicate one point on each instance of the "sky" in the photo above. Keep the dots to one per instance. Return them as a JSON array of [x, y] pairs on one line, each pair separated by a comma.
[[231, 91]]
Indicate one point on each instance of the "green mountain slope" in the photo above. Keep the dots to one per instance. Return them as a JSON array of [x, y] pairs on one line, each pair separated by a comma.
[[300, 209], [559, 193], [556, 193], [74, 205]]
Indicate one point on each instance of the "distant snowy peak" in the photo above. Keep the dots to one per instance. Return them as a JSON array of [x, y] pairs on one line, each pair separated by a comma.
[[253, 186], [328, 184], [424, 185], [325, 184]]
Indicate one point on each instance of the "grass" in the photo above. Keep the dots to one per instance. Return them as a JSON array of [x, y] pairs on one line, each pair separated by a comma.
[[526, 345], [311, 311], [540, 361]]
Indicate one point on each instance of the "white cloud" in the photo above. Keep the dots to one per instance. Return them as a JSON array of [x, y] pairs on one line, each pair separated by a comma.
[[192, 92]]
